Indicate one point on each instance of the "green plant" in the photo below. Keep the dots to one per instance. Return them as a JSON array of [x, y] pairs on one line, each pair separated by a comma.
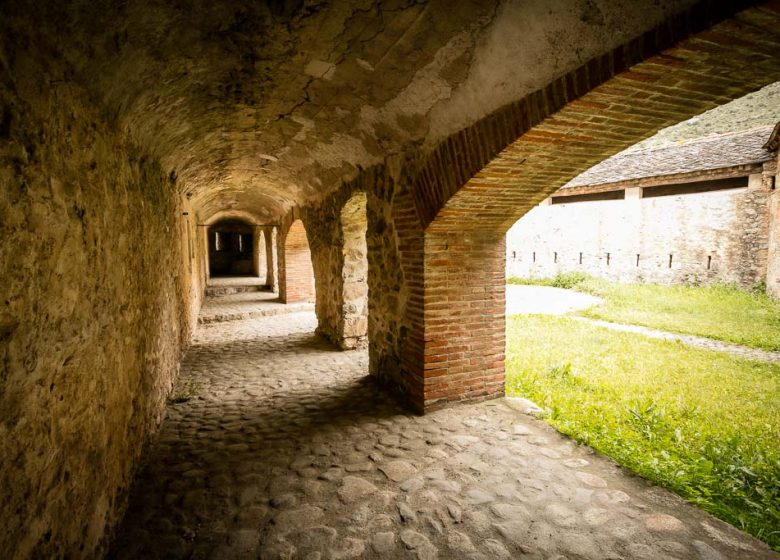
[[189, 390]]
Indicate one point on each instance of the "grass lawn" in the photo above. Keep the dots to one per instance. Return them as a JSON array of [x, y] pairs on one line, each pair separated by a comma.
[[720, 312], [702, 423]]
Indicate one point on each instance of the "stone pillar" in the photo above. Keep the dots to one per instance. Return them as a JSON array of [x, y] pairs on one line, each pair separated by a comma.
[[354, 283], [754, 217], [630, 257], [261, 252], [203, 241], [272, 260], [773, 242]]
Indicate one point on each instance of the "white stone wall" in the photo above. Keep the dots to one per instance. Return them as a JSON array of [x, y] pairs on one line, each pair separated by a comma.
[[718, 236], [773, 256]]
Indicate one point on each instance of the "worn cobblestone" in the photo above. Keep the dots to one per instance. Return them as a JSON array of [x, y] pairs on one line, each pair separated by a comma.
[[288, 451]]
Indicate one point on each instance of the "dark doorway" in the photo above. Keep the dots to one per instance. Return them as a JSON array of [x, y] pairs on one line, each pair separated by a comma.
[[231, 249]]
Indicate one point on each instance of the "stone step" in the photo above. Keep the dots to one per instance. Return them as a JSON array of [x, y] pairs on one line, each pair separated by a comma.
[[212, 291]]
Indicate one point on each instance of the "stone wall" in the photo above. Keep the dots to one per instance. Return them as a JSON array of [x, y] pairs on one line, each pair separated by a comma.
[[94, 313], [338, 248], [718, 236], [261, 254], [773, 252], [272, 257], [354, 274]]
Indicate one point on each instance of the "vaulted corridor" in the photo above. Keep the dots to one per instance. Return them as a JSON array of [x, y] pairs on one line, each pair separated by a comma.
[[284, 449], [364, 158]]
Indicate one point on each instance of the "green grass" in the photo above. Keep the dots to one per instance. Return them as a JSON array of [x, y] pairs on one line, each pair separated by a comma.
[[721, 312], [702, 423]]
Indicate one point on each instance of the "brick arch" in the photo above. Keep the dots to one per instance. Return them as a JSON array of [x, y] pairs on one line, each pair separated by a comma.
[[523, 152], [480, 181], [296, 275]]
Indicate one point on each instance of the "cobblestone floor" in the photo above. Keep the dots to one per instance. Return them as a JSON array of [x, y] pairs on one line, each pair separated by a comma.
[[235, 281], [247, 305], [288, 452]]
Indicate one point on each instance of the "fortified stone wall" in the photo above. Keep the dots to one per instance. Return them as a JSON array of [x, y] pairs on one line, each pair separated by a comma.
[[718, 236], [94, 308], [773, 253]]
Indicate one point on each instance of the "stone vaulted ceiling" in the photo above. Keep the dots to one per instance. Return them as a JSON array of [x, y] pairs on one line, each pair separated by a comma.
[[259, 106]]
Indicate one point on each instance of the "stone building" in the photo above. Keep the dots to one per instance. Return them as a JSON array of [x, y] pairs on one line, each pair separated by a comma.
[[699, 212], [386, 146]]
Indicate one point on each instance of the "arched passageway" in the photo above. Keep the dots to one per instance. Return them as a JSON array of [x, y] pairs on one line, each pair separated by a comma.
[[121, 120], [296, 272]]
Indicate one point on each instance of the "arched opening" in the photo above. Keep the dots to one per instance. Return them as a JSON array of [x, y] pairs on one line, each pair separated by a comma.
[[479, 182], [231, 249], [297, 278], [354, 317]]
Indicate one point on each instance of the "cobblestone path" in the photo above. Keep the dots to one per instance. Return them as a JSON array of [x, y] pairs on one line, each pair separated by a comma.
[[288, 452], [522, 299], [689, 340]]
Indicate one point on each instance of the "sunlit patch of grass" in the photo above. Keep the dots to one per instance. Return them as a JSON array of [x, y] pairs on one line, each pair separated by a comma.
[[702, 423], [721, 312]]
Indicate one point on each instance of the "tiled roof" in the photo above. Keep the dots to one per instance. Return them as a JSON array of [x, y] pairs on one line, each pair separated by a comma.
[[713, 152]]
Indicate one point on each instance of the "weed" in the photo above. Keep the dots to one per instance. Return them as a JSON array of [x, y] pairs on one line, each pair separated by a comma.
[[189, 390]]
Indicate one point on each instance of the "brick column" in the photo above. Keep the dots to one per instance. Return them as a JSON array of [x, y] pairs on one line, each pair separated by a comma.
[[464, 318]]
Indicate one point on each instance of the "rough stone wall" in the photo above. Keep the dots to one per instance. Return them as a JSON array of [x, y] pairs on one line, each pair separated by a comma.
[[338, 248], [93, 307], [394, 240], [261, 253], [773, 252], [322, 222], [354, 316], [272, 278], [718, 236]]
